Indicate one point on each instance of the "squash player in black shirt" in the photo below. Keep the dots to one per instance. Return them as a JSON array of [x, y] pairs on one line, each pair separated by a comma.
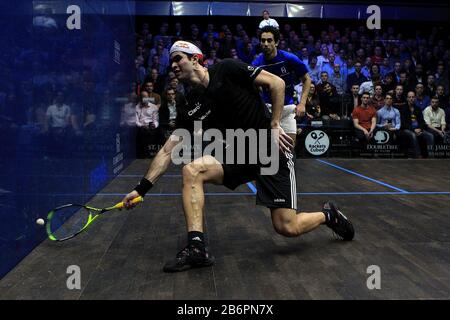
[[226, 97]]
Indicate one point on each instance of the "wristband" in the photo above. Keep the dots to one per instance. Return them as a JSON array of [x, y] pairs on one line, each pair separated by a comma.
[[143, 187]]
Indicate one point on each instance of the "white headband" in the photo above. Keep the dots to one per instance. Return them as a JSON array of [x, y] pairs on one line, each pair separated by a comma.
[[185, 47]]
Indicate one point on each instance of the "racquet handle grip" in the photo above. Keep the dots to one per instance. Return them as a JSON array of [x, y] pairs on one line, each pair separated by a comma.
[[135, 200]]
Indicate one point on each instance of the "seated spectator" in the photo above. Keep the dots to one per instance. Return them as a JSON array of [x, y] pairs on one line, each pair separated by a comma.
[[377, 100], [338, 80], [178, 88], [329, 102], [57, 124], [385, 68], [422, 100], [443, 98], [366, 69], [152, 96], [314, 70], [268, 21], [435, 120], [388, 118], [364, 120], [404, 81], [357, 77], [128, 112], [312, 106], [413, 127], [212, 58], [388, 83], [323, 80], [304, 56], [396, 72], [399, 98], [441, 78], [430, 86], [168, 112], [328, 64], [157, 80], [377, 57], [247, 54], [447, 111], [418, 75], [369, 86], [147, 122], [355, 97]]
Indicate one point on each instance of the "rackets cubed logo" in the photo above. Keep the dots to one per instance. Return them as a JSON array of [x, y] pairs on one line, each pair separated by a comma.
[[317, 142]]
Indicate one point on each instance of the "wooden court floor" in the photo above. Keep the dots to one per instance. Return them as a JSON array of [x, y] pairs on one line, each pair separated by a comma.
[[400, 210]]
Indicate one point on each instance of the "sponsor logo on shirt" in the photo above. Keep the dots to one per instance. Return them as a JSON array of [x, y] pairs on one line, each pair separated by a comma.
[[197, 106]]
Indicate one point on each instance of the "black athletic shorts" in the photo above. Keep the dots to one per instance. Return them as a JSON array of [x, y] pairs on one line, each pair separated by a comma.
[[274, 191]]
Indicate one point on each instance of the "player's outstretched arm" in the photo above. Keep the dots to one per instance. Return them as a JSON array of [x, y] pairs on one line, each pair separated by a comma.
[[157, 168], [276, 87]]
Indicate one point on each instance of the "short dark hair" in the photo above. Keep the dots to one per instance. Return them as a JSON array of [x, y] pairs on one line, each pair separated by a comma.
[[272, 30]]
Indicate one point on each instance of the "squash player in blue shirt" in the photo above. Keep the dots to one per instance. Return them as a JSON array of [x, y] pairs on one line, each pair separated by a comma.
[[289, 68]]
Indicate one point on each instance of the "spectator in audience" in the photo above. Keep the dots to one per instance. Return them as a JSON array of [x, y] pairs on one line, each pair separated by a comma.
[[328, 65], [447, 111], [396, 72], [304, 56], [443, 98], [357, 77], [338, 80], [57, 124], [388, 83], [329, 102], [147, 122], [413, 127], [141, 72], [404, 81], [355, 98], [434, 117], [168, 113], [175, 84], [322, 81], [377, 100], [441, 78], [418, 75], [151, 96], [212, 58], [248, 53], [364, 120], [369, 86], [314, 70], [366, 70], [377, 57], [385, 68], [128, 112], [430, 87], [268, 21], [399, 97], [388, 118], [313, 111], [422, 100]]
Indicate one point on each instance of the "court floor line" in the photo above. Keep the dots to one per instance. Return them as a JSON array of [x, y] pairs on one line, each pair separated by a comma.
[[361, 175], [252, 187], [298, 193]]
